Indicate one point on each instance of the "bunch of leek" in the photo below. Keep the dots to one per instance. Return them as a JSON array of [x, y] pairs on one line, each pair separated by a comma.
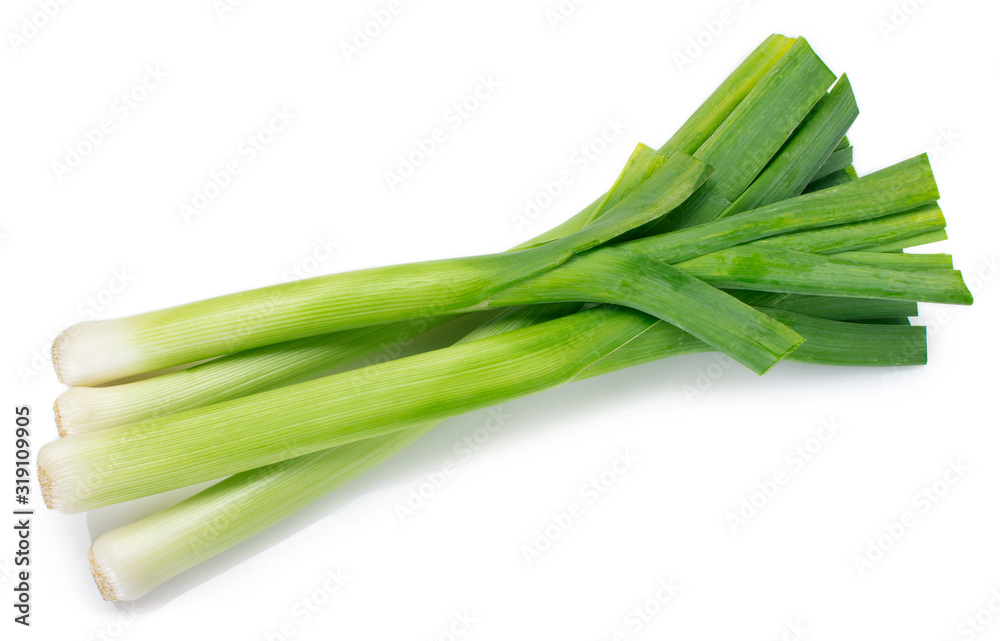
[[749, 233]]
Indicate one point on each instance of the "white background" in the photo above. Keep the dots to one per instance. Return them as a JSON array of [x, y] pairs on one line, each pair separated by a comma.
[[930, 82]]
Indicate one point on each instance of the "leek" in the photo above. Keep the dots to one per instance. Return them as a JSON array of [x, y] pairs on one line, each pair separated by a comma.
[[746, 266], [239, 374], [130, 561], [95, 352]]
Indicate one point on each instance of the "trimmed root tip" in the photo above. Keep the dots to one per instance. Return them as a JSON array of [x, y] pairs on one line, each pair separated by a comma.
[[57, 348], [102, 578], [61, 421], [70, 412], [45, 481], [61, 474]]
